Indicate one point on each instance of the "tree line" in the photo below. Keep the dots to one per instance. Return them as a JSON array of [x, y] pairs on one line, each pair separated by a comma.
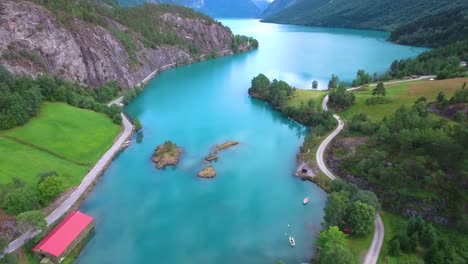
[[21, 97], [277, 94]]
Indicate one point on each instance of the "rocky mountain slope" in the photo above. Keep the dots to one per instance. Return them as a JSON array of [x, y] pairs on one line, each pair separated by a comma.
[[214, 8], [103, 44]]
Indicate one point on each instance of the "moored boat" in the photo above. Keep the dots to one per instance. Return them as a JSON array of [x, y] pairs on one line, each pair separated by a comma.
[[306, 200], [292, 242]]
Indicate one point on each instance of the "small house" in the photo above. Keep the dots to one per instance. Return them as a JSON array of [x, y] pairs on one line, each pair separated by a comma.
[[64, 237]]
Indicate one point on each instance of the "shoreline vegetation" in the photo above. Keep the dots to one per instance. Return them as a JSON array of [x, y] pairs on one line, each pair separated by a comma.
[[342, 101], [109, 91], [167, 154]]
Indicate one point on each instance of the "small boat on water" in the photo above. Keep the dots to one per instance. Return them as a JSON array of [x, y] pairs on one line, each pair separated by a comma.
[[292, 242], [306, 200]]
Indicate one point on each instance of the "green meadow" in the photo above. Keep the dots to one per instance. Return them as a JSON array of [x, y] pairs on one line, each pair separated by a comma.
[[399, 94], [61, 138]]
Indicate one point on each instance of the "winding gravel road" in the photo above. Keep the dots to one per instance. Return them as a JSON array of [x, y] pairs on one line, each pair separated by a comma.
[[379, 230], [80, 190]]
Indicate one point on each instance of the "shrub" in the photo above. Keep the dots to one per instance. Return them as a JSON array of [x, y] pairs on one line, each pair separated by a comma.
[[49, 189]]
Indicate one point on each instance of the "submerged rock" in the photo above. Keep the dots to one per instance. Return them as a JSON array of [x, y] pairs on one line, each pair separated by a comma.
[[211, 157], [208, 172], [226, 145], [166, 154]]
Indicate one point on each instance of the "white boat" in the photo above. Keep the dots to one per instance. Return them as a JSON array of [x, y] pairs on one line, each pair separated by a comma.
[[306, 200], [292, 242]]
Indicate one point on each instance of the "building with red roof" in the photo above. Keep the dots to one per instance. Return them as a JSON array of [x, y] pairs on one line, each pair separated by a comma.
[[64, 237]]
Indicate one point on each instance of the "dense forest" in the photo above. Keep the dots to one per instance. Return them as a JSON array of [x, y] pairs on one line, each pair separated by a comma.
[[277, 94], [434, 31], [444, 62], [21, 98], [413, 156], [379, 14]]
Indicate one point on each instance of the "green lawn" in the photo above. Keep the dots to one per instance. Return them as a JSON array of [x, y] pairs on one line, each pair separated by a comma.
[[401, 94], [79, 135], [62, 133], [302, 96], [360, 245]]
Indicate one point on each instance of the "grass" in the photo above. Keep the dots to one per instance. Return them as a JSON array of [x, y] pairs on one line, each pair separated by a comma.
[[303, 96], [77, 134], [53, 141], [405, 93], [360, 245]]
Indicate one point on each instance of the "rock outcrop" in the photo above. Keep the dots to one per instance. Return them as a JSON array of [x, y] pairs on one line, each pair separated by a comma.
[[208, 172], [34, 41], [166, 154]]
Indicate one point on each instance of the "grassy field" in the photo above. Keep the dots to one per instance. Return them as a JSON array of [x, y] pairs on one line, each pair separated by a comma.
[[303, 96], [77, 134], [61, 138], [401, 94]]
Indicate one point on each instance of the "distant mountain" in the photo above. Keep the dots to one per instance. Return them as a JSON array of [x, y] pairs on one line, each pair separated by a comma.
[[214, 8], [377, 14], [277, 6], [261, 4]]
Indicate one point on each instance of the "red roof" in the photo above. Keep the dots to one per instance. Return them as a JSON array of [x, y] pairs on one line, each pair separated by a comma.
[[64, 234]]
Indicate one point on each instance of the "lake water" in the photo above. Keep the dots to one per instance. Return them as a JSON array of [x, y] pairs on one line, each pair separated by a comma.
[[245, 214]]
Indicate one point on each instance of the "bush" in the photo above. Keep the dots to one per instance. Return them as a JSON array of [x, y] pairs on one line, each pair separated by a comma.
[[49, 189], [339, 98], [137, 124], [31, 220], [377, 100], [20, 200]]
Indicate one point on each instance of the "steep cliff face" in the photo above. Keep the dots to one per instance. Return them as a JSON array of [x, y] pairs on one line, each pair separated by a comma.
[[33, 41]]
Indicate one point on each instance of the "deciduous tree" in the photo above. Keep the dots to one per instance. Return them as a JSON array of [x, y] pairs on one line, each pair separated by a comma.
[[360, 217]]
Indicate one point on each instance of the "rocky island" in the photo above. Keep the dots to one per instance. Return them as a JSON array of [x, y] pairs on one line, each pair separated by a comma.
[[166, 154], [208, 172]]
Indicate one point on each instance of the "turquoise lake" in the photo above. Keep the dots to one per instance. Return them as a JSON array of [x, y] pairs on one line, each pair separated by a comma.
[[245, 214]]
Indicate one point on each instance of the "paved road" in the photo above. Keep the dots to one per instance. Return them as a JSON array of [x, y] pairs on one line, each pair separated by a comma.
[[117, 101], [85, 183], [379, 230]]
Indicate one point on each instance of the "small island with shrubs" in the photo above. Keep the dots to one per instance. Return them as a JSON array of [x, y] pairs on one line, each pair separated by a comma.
[[166, 154]]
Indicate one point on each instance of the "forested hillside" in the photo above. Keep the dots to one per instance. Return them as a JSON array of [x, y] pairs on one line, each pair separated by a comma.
[[97, 41], [379, 14], [214, 8], [434, 31]]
